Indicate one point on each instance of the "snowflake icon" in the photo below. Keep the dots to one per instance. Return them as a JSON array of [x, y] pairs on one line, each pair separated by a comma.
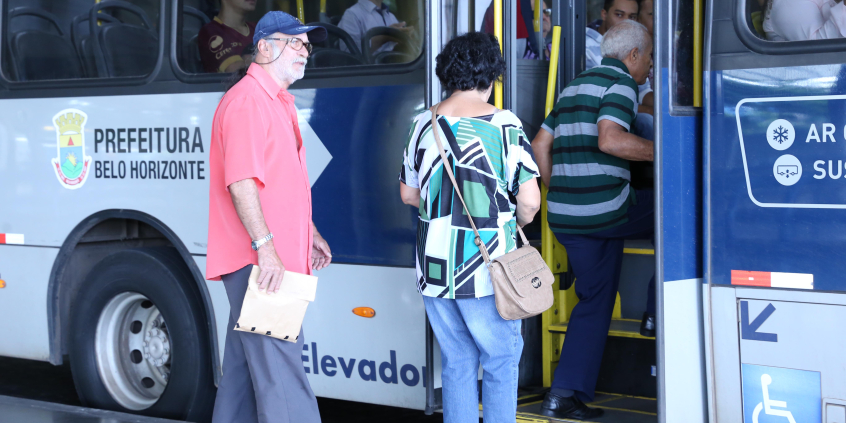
[[780, 134]]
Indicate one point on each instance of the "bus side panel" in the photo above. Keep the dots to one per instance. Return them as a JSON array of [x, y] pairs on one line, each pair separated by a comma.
[[379, 360], [761, 223], [681, 258], [26, 271], [356, 202], [220, 305]]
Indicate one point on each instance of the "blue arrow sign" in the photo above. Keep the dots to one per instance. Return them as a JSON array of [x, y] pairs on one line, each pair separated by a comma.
[[750, 330]]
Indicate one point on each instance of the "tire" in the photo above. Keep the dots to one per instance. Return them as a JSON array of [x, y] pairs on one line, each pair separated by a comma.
[[139, 338]]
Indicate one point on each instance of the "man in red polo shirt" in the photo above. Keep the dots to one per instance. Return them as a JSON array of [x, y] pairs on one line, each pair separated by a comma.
[[260, 214], [223, 40]]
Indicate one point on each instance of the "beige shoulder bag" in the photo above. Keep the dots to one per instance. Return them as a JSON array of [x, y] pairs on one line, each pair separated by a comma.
[[521, 280]]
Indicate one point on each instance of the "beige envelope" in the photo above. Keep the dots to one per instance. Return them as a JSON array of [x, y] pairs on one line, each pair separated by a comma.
[[280, 314]]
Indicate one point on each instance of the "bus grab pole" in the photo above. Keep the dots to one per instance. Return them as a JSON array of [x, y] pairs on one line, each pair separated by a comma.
[[538, 27], [497, 4], [300, 11], [547, 238], [546, 233]]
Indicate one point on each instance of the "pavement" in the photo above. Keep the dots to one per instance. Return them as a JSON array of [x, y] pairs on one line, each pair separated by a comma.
[[21, 410], [38, 392]]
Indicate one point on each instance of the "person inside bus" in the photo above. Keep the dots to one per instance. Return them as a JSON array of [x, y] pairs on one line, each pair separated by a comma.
[[260, 214], [613, 12], [497, 177], [223, 40], [800, 20], [526, 48], [583, 153], [367, 14], [645, 17], [546, 33]]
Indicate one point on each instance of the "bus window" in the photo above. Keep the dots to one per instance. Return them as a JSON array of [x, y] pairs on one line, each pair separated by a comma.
[[216, 35], [58, 40], [682, 84]]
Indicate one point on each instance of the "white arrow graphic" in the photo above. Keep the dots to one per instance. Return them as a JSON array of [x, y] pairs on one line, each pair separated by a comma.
[[317, 156]]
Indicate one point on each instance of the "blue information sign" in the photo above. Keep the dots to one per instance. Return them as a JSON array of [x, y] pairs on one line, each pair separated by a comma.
[[794, 151], [778, 395]]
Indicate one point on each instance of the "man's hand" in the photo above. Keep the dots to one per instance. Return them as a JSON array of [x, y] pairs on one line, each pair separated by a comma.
[[401, 26], [272, 269], [321, 255]]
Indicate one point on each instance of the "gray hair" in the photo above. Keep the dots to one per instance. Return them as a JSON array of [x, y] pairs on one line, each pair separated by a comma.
[[623, 37]]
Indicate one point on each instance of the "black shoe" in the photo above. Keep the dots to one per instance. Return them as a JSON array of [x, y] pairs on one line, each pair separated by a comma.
[[647, 325], [568, 408]]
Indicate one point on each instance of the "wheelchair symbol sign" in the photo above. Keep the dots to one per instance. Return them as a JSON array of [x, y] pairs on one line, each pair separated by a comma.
[[772, 394]]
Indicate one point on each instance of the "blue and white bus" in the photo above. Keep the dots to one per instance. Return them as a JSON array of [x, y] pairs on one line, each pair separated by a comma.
[[105, 118]]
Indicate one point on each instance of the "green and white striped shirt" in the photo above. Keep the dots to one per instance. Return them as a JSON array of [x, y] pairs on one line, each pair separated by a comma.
[[589, 190]]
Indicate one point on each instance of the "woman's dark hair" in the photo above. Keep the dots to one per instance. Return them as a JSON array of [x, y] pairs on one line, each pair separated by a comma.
[[470, 62]]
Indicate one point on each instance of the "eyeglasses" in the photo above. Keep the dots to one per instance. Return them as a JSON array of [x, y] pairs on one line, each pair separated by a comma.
[[547, 12], [295, 43]]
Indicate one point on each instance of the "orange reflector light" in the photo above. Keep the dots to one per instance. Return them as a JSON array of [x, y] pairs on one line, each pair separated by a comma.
[[364, 312], [2, 283]]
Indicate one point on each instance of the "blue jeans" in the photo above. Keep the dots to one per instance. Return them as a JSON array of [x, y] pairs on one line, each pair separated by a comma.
[[470, 331], [597, 260]]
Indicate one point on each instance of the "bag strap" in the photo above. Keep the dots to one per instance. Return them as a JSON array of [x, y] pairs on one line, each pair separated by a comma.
[[482, 248]]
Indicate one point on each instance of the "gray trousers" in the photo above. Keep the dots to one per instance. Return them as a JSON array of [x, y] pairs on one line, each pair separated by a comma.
[[263, 377]]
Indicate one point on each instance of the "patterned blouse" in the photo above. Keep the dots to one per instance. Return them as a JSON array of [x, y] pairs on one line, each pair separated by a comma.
[[490, 157]]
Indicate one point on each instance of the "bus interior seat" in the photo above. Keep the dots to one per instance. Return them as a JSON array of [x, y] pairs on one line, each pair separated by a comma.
[[82, 43], [328, 53], [390, 57], [323, 57], [123, 49], [401, 37], [190, 52], [39, 55]]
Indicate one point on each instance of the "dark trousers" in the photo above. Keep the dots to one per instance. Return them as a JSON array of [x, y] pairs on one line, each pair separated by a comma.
[[263, 378], [596, 260]]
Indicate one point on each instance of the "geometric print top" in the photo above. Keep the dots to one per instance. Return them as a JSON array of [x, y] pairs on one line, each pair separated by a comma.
[[490, 157]]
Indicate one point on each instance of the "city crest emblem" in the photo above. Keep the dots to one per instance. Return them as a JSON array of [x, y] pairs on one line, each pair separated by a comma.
[[72, 164]]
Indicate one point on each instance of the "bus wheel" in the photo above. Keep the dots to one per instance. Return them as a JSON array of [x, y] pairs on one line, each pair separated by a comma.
[[139, 341]]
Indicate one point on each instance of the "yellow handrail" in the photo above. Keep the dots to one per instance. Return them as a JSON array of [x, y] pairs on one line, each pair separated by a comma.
[[547, 238], [548, 351], [553, 70], [300, 11], [497, 4], [323, 6], [698, 35]]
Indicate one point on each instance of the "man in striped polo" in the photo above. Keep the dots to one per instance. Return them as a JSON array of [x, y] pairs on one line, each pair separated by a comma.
[[583, 153]]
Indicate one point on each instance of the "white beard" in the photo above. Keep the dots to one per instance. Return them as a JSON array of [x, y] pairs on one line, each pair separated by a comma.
[[285, 68]]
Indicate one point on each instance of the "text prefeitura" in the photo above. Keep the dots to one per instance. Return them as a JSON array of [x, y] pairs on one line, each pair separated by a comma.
[[149, 140]]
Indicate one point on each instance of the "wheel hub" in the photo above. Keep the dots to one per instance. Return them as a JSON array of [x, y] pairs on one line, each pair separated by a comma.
[[156, 347], [133, 351]]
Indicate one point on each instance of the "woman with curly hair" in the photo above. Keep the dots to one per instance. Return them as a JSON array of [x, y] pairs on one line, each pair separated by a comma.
[[495, 169]]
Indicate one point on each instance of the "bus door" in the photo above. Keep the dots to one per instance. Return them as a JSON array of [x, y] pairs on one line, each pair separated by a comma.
[[641, 379], [775, 207]]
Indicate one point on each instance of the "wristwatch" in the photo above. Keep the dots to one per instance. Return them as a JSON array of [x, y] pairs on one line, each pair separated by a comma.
[[259, 243]]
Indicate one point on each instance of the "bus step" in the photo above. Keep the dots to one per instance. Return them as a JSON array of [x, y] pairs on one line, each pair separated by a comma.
[[624, 328], [639, 246], [618, 409]]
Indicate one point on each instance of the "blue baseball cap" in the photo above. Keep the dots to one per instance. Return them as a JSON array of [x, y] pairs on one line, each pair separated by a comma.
[[278, 21]]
